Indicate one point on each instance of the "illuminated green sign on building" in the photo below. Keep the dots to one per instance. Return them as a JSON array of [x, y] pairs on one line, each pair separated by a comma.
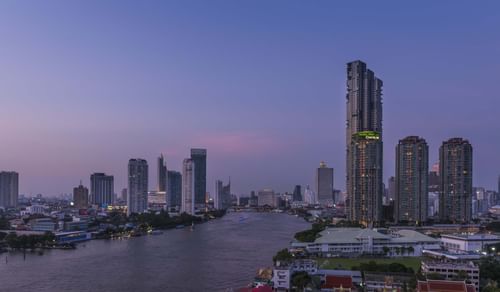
[[369, 135]]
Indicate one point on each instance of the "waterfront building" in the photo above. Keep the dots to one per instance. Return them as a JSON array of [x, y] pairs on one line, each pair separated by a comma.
[[297, 193], [162, 175], [43, 224], [450, 271], [364, 149], [9, 189], [174, 189], [137, 201], [199, 158], [188, 186], [101, 189], [455, 167], [468, 242], [309, 196], [412, 168], [324, 184], [358, 241], [218, 195], [365, 199], [267, 197], [81, 197], [281, 278]]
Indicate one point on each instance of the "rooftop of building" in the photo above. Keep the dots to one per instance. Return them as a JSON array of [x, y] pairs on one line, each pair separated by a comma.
[[349, 235], [444, 286], [449, 265], [473, 237], [337, 282]]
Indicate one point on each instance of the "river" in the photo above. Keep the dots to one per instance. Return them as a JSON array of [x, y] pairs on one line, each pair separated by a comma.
[[220, 254]]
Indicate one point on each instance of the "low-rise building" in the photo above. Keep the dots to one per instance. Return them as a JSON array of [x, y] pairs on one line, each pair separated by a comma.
[[441, 285], [304, 265], [43, 224], [467, 242], [338, 284], [281, 278], [386, 281], [450, 271], [356, 276], [356, 241]]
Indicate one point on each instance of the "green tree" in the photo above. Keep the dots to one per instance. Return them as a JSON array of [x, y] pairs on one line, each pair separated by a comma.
[[283, 256], [460, 276], [411, 250], [434, 276], [386, 250], [300, 280]]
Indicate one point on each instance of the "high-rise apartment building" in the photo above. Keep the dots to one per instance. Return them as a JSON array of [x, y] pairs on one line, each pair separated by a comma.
[[174, 189], [365, 201], [137, 200], [267, 197], [218, 195], [9, 189], [455, 194], [297, 193], [101, 189], [364, 138], [199, 158], [162, 175], [412, 174], [81, 197], [188, 186], [324, 184]]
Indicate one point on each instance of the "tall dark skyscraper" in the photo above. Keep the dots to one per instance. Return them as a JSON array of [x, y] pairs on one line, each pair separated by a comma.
[[174, 188], [297, 193], [199, 158], [9, 189], [412, 175], [162, 175], [324, 184], [101, 189], [364, 144], [81, 197], [137, 201], [455, 194]]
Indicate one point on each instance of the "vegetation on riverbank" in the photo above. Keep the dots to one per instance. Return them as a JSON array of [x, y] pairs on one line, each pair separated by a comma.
[[316, 228], [31, 241], [137, 224]]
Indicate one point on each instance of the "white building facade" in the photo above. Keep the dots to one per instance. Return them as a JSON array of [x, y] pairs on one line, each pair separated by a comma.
[[188, 171]]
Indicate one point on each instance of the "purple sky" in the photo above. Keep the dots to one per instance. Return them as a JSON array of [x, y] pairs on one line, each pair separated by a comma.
[[86, 85]]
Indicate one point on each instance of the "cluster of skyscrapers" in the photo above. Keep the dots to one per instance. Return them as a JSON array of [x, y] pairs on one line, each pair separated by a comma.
[[364, 157], [184, 192]]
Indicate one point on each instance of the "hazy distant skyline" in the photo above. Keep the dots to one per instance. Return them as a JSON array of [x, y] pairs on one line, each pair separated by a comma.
[[87, 85]]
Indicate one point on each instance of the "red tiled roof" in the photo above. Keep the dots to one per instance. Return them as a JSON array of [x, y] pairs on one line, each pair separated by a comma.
[[262, 289], [444, 286], [337, 282]]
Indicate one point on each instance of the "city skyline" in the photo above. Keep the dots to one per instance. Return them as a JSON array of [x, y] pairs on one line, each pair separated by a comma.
[[291, 119]]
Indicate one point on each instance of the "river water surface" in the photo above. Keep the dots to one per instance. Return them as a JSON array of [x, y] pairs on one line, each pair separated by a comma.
[[218, 255]]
